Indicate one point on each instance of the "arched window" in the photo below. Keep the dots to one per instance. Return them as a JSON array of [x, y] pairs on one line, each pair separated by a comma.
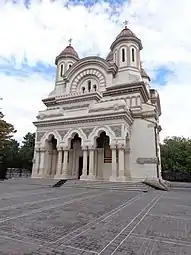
[[89, 86], [133, 55], [95, 87], [123, 55], [83, 89], [61, 70]]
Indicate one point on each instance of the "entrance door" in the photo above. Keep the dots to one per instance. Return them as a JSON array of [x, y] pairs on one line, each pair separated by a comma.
[[80, 167]]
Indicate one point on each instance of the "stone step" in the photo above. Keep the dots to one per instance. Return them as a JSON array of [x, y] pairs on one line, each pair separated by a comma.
[[128, 186]]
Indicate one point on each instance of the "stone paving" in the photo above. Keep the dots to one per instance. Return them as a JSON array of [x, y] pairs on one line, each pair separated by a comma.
[[38, 219]]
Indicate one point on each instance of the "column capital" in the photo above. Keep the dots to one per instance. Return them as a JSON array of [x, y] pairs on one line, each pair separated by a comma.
[[65, 148], [84, 148], [91, 148], [121, 146], [42, 149], [113, 146], [59, 148]]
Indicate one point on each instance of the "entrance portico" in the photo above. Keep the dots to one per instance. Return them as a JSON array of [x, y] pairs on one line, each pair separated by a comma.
[[98, 160]]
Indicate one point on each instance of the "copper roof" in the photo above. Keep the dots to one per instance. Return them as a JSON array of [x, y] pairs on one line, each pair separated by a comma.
[[67, 52], [126, 34]]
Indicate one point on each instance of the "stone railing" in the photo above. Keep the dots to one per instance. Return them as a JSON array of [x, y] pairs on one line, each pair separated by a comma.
[[17, 173]]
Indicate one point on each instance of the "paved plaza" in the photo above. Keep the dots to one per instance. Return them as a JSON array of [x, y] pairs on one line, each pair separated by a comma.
[[38, 219]]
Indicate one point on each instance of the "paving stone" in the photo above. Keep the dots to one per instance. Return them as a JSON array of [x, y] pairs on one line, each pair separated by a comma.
[[36, 219]]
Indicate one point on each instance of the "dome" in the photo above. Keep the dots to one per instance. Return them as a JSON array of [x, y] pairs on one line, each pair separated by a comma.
[[67, 52], [109, 56], [124, 35]]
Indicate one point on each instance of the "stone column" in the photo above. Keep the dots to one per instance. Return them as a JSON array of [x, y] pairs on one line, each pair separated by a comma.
[[65, 164], [121, 164], [91, 175], [85, 161], [59, 164], [113, 176], [36, 161], [41, 168]]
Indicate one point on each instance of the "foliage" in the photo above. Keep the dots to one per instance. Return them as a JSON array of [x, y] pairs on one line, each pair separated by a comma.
[[6, 131], [26, 151], [176, 154]]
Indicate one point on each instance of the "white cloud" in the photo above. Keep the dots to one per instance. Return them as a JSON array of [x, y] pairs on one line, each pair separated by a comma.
[[42, 31]]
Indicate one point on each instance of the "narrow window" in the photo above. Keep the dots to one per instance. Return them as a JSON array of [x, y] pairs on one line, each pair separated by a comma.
[[69, 66], [95, 88], [89, 86], [83, 89], [133, 55], [123, 55], [115, 60], [61, 70]]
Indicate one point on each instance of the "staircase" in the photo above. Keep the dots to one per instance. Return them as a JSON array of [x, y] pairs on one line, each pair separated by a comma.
[[122, 186]]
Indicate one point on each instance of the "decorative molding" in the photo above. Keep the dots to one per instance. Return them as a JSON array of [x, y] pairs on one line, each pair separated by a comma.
[[119, 116], [117, 130], [87, 72], [121, 146], [87, 131], [62, 133], [143, 161], [39, 136]]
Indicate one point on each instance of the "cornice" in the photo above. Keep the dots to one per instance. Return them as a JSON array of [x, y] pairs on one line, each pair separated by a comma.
[[126, 88], [126, 39], [86, 119]]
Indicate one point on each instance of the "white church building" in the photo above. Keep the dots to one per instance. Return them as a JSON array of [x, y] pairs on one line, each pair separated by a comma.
[[102, 119]]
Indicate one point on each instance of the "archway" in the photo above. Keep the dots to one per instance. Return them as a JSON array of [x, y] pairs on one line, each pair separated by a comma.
[[75, 156], [103, 156], [51, 156]]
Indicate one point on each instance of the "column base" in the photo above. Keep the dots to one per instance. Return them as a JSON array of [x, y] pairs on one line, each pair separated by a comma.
[[113, 178], [83, 177], [57, 176], [91, 177], [122, 178]]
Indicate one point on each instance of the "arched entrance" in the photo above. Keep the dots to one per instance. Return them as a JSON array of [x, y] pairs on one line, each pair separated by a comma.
[[51, 156], [104, 156], [76, 156]]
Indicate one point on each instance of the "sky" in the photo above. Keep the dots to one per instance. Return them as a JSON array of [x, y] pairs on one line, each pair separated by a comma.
[[34, 32]]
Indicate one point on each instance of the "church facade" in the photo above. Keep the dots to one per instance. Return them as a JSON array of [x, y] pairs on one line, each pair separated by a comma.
[[102, 119]]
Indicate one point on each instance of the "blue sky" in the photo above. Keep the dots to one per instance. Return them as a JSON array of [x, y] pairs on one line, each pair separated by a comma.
[[36, 31]]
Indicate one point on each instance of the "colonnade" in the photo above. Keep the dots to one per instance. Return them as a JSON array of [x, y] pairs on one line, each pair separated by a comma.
[[89, 172]]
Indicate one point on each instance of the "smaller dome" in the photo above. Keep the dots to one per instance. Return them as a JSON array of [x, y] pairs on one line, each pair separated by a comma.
[[67, 52], [126, 35], [126, 32], [109, 56]]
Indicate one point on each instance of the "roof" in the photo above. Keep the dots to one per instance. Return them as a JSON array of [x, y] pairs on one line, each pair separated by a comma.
[[109, 56], [144, 74], [124, 35], [69, 51]]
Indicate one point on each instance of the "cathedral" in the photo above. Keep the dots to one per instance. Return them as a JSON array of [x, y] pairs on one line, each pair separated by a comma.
[[102, 118]]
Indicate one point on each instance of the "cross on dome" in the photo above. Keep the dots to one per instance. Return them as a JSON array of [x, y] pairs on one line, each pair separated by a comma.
[[70, 41], [126, 23]]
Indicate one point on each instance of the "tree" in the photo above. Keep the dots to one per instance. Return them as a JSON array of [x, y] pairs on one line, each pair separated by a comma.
[[6, 132], [27, 150], [176, 154]]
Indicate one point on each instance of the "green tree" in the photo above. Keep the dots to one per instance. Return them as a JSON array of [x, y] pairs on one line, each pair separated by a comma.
[[176, 154], [27, 150], [6, 132]]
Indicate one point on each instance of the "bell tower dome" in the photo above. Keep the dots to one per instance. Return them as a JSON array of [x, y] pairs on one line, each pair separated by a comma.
[[65, 60], [126, 49]]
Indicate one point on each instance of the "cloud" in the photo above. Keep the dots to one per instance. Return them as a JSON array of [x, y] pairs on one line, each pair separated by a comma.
[[34, 32]]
